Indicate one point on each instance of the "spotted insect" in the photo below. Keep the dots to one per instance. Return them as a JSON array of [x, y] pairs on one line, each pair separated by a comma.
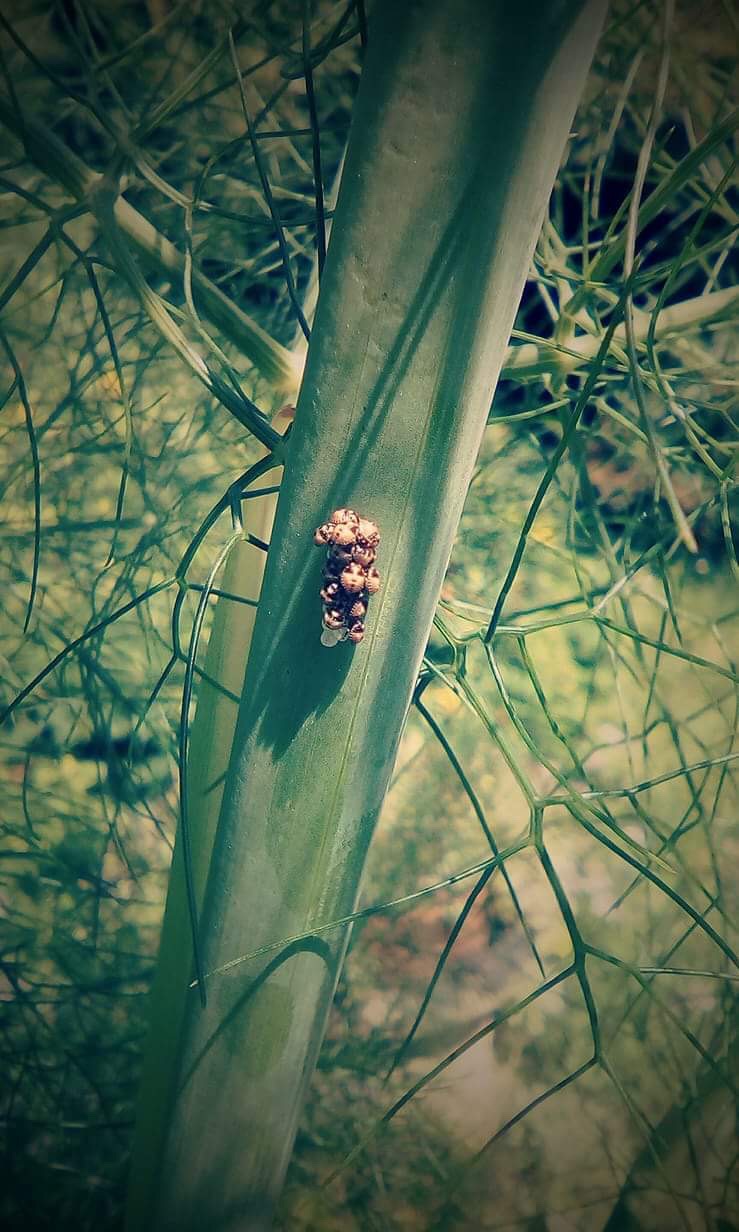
[[349, 574]]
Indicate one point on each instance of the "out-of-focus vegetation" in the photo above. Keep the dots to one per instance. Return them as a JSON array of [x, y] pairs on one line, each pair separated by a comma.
[[572, 1055]]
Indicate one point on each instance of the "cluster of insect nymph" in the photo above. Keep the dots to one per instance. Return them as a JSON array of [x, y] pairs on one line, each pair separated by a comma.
[[349, 575]]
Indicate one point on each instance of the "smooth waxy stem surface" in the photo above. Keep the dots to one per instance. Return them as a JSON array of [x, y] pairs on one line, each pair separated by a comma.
[[462, 116]]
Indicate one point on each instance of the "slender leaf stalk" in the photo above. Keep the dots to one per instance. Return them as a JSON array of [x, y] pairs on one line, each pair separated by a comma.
[[211, 739], [56, 160]]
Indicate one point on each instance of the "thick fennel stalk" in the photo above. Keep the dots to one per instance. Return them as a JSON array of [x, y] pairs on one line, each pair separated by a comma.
[[460, 123]]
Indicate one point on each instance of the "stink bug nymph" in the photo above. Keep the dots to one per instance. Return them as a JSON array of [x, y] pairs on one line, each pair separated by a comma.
[[353, 579], [350, 576]]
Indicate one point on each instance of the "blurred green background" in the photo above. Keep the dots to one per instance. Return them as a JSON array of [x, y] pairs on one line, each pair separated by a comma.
[[608, 1101]]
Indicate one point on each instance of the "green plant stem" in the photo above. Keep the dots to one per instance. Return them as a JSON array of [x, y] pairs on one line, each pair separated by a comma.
[[462, 116], [210, 748], [56, 160], [536, 359]]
